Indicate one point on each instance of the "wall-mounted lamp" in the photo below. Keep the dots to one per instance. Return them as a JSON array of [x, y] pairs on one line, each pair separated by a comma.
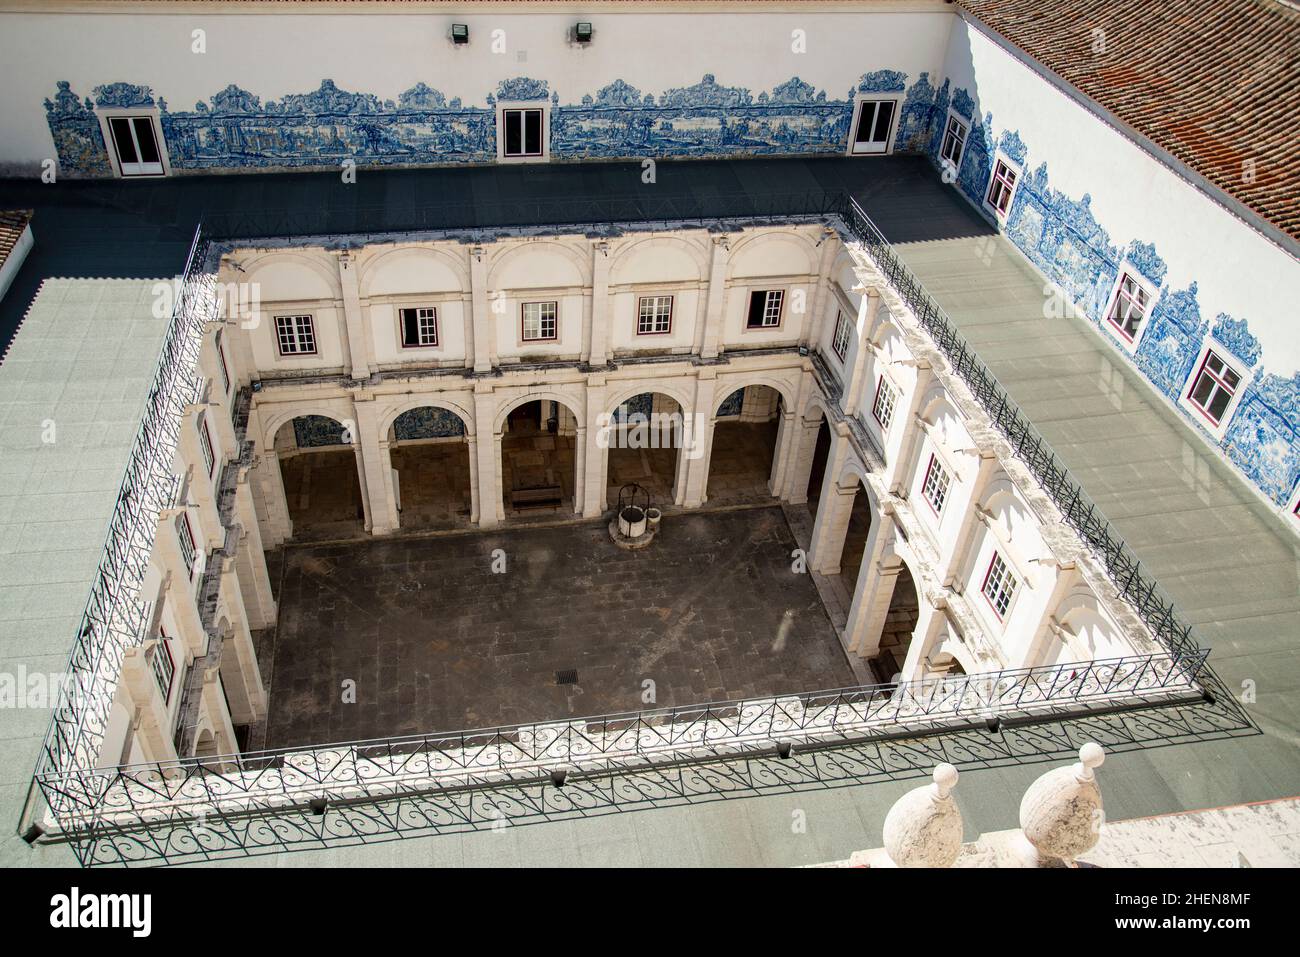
[[582, 32], [460, 33]]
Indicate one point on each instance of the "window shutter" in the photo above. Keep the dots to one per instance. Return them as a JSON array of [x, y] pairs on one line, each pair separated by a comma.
[[757, 302]]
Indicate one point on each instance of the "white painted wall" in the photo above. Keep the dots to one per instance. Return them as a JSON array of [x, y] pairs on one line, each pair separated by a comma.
[[1135, 197], [387, 52]]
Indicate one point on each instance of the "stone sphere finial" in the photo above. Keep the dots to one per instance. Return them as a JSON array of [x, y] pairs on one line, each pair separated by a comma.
[[924, 827], [1061, 813]]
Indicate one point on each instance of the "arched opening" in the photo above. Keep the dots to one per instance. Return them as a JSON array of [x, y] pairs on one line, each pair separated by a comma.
[[430, 454], [644, 444], [538, 443], [206, 746], [744, 445], [900, 623], [318, 465], [943, 665], [821, 453]]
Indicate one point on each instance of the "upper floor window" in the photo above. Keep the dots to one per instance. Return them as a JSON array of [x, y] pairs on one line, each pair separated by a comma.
[[419, 326], [875, 122], [164, 666], [1128, 310], [1213, 387], [765, 309], [1002, 188], [840, 341], [205, 443], [295, 335], [135, 144], [521, 132], [935, 486], [221, 364], [883, 406], [189, 550], [954, 142], [654, 315], [540, 320], [999, 585]]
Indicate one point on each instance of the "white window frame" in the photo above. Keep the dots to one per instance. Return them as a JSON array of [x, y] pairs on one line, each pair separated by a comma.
[[1128, 272], [1001, 158], [842, 336], [776, 313], [955, 117], [512, 106], [655, 317], [859, 104], [1201, 415], [296, 334], [420, 330], [884, 388], [152, 113], [541, 321]]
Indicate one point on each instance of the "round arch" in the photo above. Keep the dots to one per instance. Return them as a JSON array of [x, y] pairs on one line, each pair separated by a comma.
[[373, 265], [791, 237], [336, 506], [549, 395], [410, 403], [728, 389], [275, 257], [674, 392], [280, 419], [629, 251], [497, 263]]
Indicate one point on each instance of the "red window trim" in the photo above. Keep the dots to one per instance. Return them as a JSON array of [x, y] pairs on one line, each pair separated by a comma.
[[437, 331], [212, 448], [194, 543], [672, 309], [985, 584], [1232, 393], [875, 403], [225, 370], [925, 480], [994, 181], [1114, 301], [171, 682], [780, 311], [539, 302]]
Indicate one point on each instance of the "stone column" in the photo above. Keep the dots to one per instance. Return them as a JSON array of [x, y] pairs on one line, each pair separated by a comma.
[[487, 451], [484, 319], [855, 386], [239, 669], [250, 560], [178, 584], [717, 298], [699, 440], [354, 322], [805, 452], [213, 704], [873, 592], [928, 623], [787, 437], [375, 467], [471, 453], [268, 485], [832, 522], [812, 329], [594, 441], [599, 318]]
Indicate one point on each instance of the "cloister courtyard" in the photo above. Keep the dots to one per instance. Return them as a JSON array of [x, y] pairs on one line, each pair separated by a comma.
[[470, 629]]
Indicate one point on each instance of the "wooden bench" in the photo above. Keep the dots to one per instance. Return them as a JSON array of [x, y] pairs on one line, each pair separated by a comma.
[[547, 496]]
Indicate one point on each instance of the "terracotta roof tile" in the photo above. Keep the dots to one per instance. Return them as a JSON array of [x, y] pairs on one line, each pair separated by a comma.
[[1215, 83], [12, 224]]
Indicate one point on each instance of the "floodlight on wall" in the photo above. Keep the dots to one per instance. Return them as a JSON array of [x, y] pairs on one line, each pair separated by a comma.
[[460, 33], [582, 32]]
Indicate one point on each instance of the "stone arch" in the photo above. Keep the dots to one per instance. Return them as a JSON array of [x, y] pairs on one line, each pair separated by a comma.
[[540, 460], [656, 462], [744, 248], [281, 417], [681, 395], [501, 258], [551, 395], [629, 251], [743, 461], [1089, 627], [434, 475], [316, 265], [727, 389], [430, 400], [372, 266], [322, 486]]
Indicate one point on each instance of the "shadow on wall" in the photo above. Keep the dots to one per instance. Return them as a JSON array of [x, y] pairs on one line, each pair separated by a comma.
[[1063, 238]]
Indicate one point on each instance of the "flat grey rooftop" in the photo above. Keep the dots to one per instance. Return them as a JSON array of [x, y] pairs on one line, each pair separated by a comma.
[[72, 393], [1229, 564]]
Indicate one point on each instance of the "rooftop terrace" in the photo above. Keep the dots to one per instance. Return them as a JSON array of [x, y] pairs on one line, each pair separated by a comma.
[[1167, 492]]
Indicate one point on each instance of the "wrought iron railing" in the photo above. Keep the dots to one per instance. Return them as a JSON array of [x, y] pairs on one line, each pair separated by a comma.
[[236, 784], [115, 617]]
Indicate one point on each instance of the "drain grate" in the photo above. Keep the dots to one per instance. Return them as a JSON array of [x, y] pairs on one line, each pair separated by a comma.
[[567, 677]]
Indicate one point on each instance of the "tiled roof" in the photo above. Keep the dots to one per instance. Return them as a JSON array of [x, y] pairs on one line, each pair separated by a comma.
[[1215, 83], [12, 224]]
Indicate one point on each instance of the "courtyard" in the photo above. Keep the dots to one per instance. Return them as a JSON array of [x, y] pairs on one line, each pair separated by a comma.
[[468, 630]]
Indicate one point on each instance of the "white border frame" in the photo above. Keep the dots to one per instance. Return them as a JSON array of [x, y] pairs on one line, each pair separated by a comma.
[[858, 100], [545, 107], [104, 114], [1001, 157], [961, 155], [1153, 296], [1184, 395]]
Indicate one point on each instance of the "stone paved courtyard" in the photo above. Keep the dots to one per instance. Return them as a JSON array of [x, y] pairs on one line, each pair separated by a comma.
[[435, 641]]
